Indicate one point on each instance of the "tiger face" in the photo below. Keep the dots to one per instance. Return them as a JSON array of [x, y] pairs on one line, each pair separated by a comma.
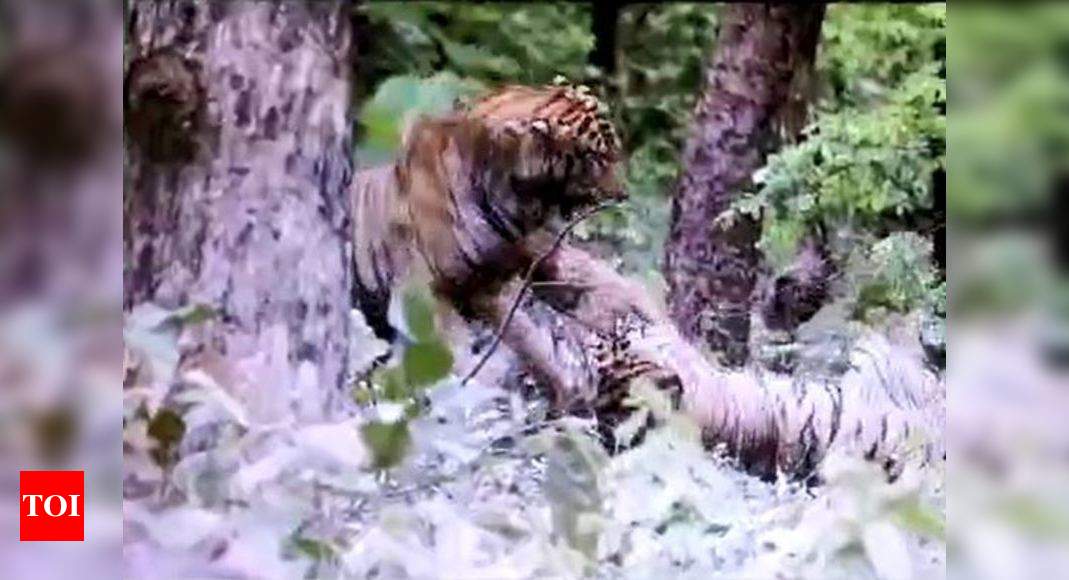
[[565, 142]]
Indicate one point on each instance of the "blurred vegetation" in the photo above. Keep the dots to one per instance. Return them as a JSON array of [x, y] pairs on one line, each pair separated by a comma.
[[492, 43], [1011, 90], [398, 390], [1011, 151]]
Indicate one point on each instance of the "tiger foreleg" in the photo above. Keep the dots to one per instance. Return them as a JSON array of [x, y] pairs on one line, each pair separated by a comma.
[[533, 343]]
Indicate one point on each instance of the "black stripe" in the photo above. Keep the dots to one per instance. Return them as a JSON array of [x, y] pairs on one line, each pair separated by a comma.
[[470, 261], [382, 276], [500, 222], [555, 98], [584, 125]]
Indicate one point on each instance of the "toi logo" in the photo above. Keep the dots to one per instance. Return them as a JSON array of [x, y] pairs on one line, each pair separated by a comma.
[[51, 506]]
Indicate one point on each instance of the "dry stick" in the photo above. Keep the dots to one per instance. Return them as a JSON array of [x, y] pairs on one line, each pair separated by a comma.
[[527, 279], [560, 284]]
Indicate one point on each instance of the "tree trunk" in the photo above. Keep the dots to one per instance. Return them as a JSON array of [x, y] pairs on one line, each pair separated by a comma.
[[751, 97], [239, 144], [603, 25]]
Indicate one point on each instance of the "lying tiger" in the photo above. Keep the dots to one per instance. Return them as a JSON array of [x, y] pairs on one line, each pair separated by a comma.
[[470, 200]]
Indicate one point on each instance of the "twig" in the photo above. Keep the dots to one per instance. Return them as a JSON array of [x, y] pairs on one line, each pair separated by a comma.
[[560, 284], [527, 279]]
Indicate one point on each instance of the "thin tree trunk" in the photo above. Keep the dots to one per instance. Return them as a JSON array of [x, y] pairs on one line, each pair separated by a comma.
[[604, 22], [239, 143], [751, 94]]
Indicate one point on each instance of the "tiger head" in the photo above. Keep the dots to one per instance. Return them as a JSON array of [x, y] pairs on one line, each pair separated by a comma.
[[561, 141]]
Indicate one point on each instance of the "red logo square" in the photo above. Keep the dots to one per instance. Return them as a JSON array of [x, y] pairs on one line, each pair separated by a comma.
[[51, 506]]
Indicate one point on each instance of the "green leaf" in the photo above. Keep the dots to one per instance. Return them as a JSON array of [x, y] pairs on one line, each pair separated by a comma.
[[195, 314], [426, 363], [922, 519], [402, 98], [475, 58], [393, 383], [317, 550], [419, 314], [167, 428], [363, 396], [388, 442]]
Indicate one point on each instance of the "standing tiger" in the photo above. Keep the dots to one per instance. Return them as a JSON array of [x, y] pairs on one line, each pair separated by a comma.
[[470, 198]]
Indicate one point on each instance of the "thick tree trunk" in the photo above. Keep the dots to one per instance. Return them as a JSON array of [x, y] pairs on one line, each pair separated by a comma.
[[751, 94], [239, 143]]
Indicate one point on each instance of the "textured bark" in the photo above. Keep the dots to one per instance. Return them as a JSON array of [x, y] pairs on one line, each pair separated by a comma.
[[753, 93], [239, 142]]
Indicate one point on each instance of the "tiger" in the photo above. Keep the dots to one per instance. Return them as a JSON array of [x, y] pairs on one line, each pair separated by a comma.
[[471, 195]]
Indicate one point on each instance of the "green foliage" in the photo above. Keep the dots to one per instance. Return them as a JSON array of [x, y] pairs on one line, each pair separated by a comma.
[[388, 442], [868, 156], [1011, 90], [1001, 274], [193, 315], [426, 361], [862, 163], [316, 550], [398, 101], [419, 313], [662, 53], [493, 43], [893, 275], [867, 49], [915, 515], [856, 167]]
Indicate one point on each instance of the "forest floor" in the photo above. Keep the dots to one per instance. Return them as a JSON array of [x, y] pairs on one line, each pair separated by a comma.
[[491, 489]]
